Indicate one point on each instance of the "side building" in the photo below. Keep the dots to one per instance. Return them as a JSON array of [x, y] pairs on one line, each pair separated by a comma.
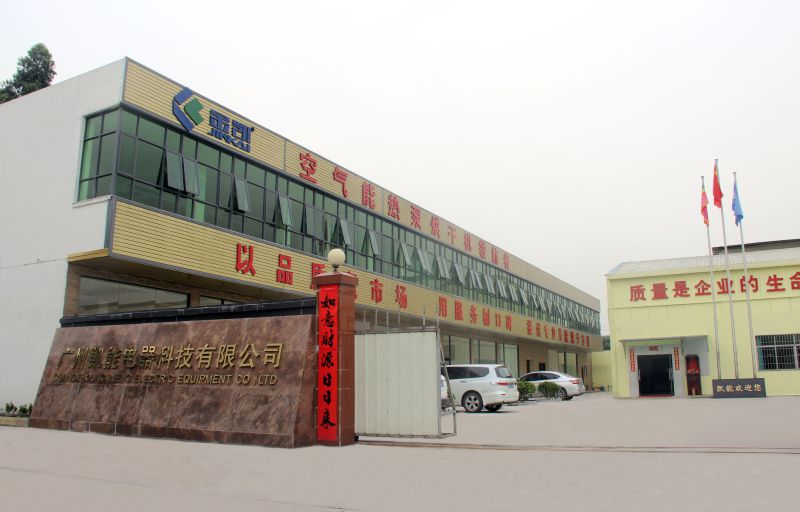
[[127, 191], [661, 321]]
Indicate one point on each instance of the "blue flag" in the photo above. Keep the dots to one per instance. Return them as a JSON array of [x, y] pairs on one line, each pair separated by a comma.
[[737, 206]]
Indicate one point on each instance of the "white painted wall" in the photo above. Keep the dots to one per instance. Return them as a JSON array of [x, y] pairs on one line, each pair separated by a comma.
[[40, 150]]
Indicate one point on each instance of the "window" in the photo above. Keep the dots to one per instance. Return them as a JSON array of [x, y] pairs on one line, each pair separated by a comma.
[[510, 357], [778, 352], [488, 352], [102, 296], [150, 163], [214, 301], [242, 203], [174, 171], [190, 176], [503, 372], [99, 154], [457, 372], [476, 372], [284, 212]]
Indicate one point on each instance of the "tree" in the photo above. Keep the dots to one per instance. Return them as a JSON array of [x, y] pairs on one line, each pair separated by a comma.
[[34, 71]]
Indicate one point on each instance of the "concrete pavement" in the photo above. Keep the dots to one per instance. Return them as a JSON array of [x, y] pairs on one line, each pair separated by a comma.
[[593, 453]]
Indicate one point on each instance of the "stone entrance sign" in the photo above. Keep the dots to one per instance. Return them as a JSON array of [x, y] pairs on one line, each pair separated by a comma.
[[243, 380]]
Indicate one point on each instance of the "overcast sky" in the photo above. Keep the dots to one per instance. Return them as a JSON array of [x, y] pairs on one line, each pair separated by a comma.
[[572, 134]]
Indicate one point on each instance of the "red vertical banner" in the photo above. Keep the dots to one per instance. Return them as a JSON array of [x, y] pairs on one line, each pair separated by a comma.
[[677, 359], [633, 361], [328, 363]]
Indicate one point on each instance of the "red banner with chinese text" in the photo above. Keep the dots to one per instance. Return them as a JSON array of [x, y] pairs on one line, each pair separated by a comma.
[[328, 362]]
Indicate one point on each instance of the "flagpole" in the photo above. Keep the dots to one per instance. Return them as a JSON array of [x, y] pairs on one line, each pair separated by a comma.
[[730, 290], [713, 289], [753, 355]]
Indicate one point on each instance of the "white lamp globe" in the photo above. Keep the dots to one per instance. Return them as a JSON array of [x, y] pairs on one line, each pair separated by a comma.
[[336, 257]]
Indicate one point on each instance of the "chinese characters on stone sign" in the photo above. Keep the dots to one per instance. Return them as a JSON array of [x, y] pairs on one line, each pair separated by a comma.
[[223, 364]]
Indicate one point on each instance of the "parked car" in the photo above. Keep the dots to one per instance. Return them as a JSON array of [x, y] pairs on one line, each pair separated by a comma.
[[476, 386], [444, 395], [570, 386]]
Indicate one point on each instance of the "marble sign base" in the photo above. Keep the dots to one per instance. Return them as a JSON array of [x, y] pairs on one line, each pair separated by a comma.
[[244, 381]]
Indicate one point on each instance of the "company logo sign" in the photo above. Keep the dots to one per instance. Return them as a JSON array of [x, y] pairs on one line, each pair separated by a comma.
[[187, 110]]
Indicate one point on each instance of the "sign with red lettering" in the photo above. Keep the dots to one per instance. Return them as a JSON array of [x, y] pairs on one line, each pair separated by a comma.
[[633, 361], [677, 359], [679, 289], [328, 362]]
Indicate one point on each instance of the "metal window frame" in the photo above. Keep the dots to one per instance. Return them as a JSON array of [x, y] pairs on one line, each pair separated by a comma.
[[242, 202], [174, 165], [190, 179], [285, 211], [345, 230]]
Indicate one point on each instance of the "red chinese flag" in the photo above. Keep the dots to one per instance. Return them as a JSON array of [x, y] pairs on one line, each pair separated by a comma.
[[704, 205], [717, 188]]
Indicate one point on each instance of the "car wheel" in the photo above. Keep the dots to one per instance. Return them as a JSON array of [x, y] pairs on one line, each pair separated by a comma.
[[562, 394], [472, 402], [568, 398], [493, 408]]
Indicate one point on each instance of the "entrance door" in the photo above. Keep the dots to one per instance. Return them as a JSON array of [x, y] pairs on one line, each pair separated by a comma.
[[655, 375]]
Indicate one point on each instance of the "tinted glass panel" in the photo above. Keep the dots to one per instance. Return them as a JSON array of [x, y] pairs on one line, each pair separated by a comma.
[[225, 187], [207, 155], [190, 176], [503, 372], [110, 121], [128, 123], [151, 132], [456, 372], [173, 141], [93, 127], [148, 162], [256, 196], [126, 154], [209, 301], [124, 187], [478, 371], [255, 174], [242, 202], [146, 194], [91, 156], [174, 174], [104, 185], [207, 181]]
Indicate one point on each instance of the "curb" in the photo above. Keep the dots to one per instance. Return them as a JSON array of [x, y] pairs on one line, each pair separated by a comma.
[[12, 421]]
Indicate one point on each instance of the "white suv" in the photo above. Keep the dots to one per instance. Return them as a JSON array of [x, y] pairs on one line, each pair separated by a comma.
[[476, 386]]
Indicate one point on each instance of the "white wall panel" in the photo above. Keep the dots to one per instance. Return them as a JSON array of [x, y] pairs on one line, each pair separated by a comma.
[[397, 384]]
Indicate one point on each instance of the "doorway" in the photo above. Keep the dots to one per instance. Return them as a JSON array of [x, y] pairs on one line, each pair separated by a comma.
[[655, 375]]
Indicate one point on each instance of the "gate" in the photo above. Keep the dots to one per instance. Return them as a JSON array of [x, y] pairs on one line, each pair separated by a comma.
[[398, 385]]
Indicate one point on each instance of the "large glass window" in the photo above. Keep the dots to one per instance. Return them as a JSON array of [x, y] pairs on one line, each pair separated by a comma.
[[155, 165], [508, 354], [459, 350], [99, 155], [102, 296]]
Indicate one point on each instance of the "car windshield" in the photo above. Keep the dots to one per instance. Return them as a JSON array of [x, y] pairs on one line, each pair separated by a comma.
[[504, 372]]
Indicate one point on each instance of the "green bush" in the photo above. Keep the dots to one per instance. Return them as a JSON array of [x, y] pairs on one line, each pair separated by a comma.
[[526, 390], [549, 389], [23, 411]]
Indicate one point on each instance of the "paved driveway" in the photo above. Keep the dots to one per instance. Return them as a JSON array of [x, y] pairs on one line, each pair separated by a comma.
[[593, 453], [599, 420]]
